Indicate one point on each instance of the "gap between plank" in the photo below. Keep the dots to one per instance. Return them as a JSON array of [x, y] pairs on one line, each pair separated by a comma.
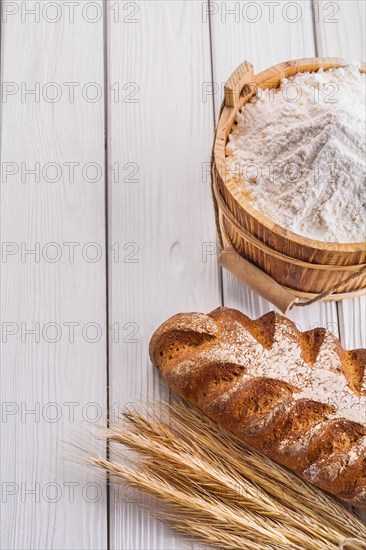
[[220, 273], [316, 47], [106, 216], [315, 33]]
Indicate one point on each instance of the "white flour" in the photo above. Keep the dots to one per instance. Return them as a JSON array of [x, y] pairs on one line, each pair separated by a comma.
[[323, 380], [298, 152]]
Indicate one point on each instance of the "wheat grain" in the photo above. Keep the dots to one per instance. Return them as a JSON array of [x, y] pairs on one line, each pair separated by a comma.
[[217, 490]]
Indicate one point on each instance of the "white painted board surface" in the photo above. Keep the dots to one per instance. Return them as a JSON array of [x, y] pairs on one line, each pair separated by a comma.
[[53, 300], [340, 31], [162, 214], [159, 67]]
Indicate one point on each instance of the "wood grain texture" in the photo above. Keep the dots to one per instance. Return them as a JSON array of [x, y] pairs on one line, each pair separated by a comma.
[[278, 35], [161, 259], [340, 30], [165, 216], [46, 501]]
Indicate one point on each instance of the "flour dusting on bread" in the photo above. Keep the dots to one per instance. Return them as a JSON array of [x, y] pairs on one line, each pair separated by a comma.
[[299, 397]]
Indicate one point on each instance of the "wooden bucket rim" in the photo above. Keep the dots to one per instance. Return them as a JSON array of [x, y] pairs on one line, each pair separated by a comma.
[[290, 68]]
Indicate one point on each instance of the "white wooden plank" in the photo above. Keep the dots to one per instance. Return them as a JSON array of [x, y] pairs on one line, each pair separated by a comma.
[[162, 215], [46, 501], [263, 35], [340, 31], [352, 315], [340, 28]]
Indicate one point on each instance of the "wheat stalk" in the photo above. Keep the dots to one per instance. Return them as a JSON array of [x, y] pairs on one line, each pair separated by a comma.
[[296, 494], [214, 488]]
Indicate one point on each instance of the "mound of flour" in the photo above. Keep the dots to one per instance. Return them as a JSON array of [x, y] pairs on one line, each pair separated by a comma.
[[298, 152]]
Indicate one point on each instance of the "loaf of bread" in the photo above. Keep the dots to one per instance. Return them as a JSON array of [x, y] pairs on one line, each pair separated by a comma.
[[298, 397]]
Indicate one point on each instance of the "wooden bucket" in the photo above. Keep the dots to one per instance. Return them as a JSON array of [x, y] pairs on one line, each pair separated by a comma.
[[280, 265]]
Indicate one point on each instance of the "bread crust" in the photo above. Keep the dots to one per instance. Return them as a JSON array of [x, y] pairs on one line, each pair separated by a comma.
[[298, 397]]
